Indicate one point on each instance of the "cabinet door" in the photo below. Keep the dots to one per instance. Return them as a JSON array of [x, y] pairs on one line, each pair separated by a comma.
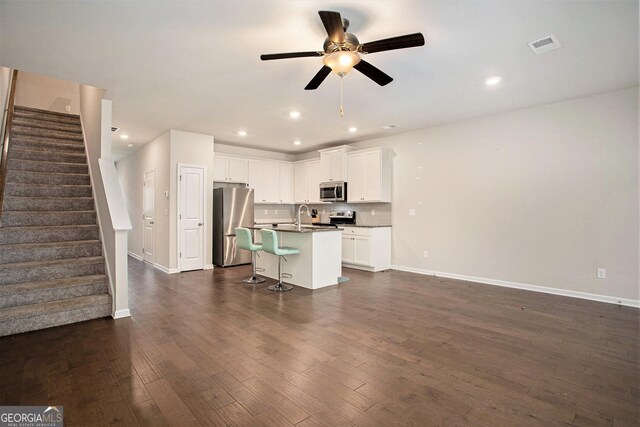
[[271, 182], [255, 180], [356, 183], [238, 170], [372, 174], [348, 249], [325, 167], [338, 166], [286, 183], [362, 250], [220, 167], [301, 182], [314, 181]]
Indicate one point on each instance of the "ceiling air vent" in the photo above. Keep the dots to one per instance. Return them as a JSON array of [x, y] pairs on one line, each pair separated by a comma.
[[115, 129], [544, 44]]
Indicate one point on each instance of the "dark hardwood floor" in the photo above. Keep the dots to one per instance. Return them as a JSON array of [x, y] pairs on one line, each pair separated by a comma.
[[383, 349]]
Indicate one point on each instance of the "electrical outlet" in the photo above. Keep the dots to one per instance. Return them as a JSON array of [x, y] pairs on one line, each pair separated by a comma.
[[425, 254], [67, 108], [373, 212], [266, 212], [412, 212], [601, 273]]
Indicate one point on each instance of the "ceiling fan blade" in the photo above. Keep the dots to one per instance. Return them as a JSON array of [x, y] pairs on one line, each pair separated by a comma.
[[288, 55], [318, 78], [332, 22], [400, 42], [373, 73]]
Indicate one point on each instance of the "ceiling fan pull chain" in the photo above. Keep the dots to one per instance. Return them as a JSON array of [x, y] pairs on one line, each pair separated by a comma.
[[341, 102]]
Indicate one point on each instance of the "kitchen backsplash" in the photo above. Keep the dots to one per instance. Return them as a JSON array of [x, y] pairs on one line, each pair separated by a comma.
[[274, 213], [367, 213]]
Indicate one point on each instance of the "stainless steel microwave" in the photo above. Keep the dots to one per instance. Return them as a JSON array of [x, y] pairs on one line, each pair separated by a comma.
[[335, 191]]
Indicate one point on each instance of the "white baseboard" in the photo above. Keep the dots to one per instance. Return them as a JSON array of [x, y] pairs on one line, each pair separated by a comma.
[[208, 267], [165, 269], [544, 289], [119, 314], [136, 256]]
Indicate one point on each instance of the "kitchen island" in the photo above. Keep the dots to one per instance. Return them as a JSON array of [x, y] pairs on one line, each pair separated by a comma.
[[319, 263]]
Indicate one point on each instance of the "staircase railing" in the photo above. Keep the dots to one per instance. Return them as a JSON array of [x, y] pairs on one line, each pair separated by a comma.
[[6, 133]]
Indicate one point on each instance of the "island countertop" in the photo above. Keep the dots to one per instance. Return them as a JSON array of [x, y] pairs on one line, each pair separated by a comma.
[[293, 229]]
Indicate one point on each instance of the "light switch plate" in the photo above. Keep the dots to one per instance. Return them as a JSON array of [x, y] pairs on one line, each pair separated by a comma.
[[412, 212], [601, 273]]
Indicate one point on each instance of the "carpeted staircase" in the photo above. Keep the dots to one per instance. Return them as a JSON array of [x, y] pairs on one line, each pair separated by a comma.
[[51, 267]]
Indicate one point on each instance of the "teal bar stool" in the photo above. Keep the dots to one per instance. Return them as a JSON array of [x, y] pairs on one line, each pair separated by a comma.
[[270, 244], [244, 241]]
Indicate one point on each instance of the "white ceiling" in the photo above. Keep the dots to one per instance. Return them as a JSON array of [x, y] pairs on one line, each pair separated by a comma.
[[195, 66]]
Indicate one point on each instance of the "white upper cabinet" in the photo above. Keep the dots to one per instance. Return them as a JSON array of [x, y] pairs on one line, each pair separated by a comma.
[[369, 176], [307, 179], [286, 183], [230, 169], [333, 164], [264, 178]]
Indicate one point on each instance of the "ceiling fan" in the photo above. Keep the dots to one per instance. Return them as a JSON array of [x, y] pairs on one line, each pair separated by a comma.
[[342, 51]]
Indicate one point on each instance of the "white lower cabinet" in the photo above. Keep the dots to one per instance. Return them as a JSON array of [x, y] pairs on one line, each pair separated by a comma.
[[367, 248]]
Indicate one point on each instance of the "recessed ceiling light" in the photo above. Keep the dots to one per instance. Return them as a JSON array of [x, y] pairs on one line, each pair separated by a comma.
[[492, 81], [294, 114], [124, 136], [242, 132], [130, 145], [297, 142], [353, 129]]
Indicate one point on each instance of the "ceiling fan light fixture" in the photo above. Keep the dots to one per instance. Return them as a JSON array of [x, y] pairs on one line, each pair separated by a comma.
[[341, 62]]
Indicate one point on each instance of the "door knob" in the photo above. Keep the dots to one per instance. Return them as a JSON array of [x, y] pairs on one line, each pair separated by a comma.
[[200, 224], [151, 222]]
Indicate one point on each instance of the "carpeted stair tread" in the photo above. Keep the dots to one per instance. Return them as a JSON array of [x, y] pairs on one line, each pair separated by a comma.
[[33, 271], [40, 166], [13, 203], [22, 108], [45, 190], [29, 177], [47, 234], [21, 294], [51, 262], [55, 313], [21, 288], [53, 118], [47, 156], [44, 141], [35, 218], [23, 252], [46, 124], [49, 133]]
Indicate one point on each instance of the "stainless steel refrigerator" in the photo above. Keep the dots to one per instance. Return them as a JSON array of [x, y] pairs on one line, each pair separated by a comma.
[[232, 207]]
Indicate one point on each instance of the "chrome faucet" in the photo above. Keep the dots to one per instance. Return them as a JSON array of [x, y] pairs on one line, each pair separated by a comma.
[[298, 221]]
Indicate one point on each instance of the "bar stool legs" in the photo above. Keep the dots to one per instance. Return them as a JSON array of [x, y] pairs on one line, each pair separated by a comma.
[[281, 287], [254, 278]]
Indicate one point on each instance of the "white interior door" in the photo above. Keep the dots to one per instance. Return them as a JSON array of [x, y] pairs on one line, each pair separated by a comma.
[[191, 217], [148, 215]]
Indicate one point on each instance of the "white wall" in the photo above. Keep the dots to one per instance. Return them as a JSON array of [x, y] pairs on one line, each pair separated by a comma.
[[151, 156], [195, 149], [47, 93], [540, 196], [163, 155], [5, 80]]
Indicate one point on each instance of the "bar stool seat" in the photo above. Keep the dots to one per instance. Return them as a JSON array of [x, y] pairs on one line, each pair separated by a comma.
[[270, 245], [245, 241]]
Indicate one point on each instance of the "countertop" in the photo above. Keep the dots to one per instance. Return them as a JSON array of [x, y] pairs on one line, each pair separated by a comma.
[[292, 228]]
